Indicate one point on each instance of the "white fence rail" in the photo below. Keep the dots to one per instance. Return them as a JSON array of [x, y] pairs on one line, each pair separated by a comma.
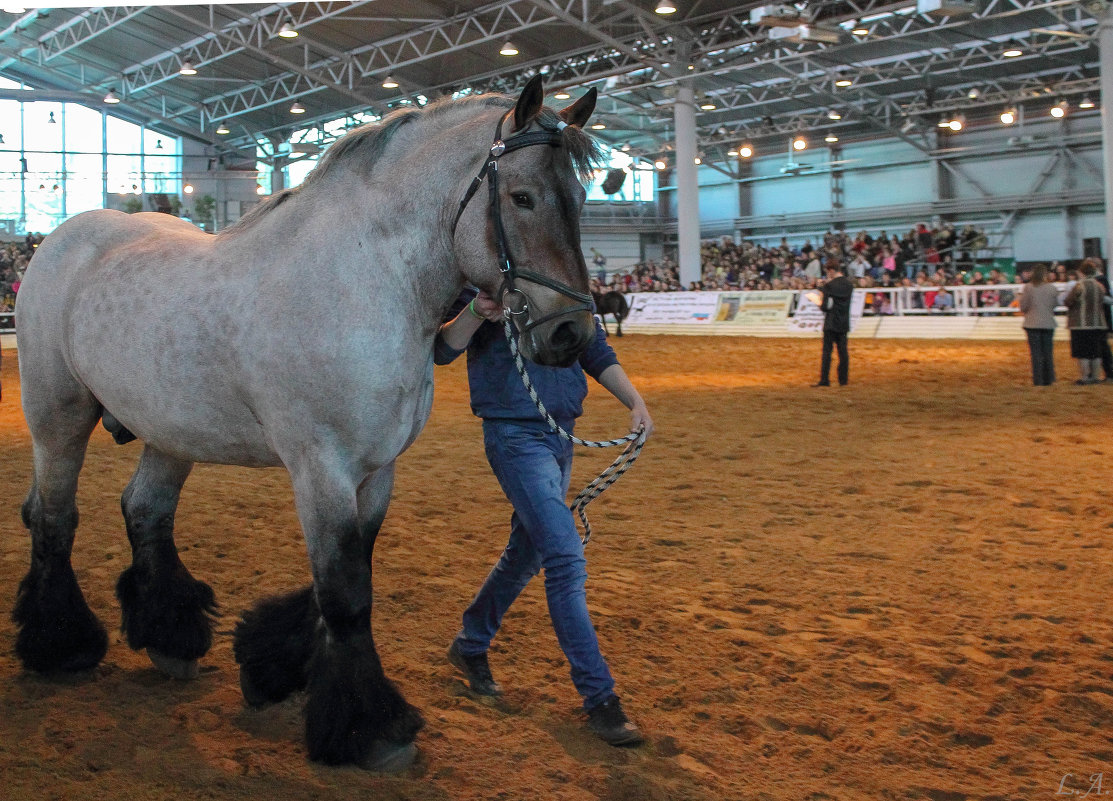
[[974, 312]]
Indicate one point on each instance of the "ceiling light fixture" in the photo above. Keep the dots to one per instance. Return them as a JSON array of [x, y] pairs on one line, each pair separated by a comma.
[[287, 31], [222, 129], [259, 190], [732, 152], [799, 143], [1012, 51], [297, 108], [830, 138], [188, 189], [1086, 102], [111, 97], [746, 151], [508, 49], [562, 95], [841, 79], [390, 83], [665, 7], [597, 126], [698, 160], [833, 114], [15, 9], [188, 68], [974, 93], [1008, 116], [659, 164], [943, 122], [707, 104], [1059, 110], [859, 30], [958, 123]]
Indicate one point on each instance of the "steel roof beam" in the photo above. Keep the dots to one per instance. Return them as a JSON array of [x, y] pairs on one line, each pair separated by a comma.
[[216, 44], [76, 31]]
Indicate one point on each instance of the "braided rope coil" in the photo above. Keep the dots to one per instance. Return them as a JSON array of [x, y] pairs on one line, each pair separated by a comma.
[[634, 442]]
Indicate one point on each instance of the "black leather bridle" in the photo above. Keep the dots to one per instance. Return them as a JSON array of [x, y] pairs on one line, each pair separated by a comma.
[[510, 271]]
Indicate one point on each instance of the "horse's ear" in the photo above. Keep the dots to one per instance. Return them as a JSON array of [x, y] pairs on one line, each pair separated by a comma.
[[529, 103], [579, 112]]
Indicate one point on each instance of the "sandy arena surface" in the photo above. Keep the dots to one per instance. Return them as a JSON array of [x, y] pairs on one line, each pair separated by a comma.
[[897, 590]]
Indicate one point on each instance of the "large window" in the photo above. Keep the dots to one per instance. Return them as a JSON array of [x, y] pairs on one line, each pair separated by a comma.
[[59, 159]]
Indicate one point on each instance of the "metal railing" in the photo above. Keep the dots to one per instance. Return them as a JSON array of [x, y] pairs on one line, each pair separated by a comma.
[[985, 300]]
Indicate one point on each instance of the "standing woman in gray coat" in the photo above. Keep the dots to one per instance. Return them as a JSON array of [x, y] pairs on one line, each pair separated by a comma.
[[1038, 302]]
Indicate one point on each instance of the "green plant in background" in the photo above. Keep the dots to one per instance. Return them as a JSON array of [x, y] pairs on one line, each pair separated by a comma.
[[133, 205], [175, 205], [204, 211]]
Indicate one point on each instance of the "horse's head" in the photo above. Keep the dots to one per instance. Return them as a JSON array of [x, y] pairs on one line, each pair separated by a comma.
[[523, 244]]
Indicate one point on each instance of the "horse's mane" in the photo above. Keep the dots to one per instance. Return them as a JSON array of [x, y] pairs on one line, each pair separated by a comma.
[[365, 145]]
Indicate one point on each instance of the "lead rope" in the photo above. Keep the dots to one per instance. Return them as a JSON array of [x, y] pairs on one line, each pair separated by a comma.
[[625, 460]]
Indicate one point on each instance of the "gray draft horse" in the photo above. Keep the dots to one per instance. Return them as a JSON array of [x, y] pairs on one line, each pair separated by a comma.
[[185, 340]]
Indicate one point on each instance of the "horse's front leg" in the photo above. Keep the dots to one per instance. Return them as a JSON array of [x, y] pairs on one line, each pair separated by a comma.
[[321, 639]]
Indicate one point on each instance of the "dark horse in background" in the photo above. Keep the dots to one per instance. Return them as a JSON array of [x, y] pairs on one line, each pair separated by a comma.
[[614, 304], [102, 337]]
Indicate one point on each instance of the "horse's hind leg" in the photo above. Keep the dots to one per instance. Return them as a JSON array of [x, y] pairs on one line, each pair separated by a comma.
[[57, 630], [165, 609], [323, 640]]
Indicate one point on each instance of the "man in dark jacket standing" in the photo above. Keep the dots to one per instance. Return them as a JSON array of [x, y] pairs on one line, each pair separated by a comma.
[[836, 323]]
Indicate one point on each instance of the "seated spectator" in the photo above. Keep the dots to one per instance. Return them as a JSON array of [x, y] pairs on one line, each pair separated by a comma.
[[943, 301]]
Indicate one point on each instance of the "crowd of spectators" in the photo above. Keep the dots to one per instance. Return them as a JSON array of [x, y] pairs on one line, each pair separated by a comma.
[[14, 257], [921, 257]]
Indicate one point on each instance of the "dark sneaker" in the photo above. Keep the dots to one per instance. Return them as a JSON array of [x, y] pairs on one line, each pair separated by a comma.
[[611, 724], [476, 670]]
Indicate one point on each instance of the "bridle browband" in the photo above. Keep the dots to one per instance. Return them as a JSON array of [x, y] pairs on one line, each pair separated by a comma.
[[553, 137]]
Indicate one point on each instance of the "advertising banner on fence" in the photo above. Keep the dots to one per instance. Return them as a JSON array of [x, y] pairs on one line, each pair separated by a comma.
[[651, 308], [809, 317], [752, 308]]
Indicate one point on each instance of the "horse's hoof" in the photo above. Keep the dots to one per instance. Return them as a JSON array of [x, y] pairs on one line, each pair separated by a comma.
[[252, 696], [388, 757], [181, 669]]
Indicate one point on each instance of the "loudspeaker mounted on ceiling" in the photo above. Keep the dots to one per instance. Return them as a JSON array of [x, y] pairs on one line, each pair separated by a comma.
[[614, 181]]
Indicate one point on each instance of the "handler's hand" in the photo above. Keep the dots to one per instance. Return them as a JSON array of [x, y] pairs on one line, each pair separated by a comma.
[[640, 419], [488, 307]]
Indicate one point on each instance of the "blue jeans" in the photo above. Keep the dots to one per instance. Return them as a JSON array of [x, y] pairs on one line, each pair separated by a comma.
[[1041, 345], [534, 466]]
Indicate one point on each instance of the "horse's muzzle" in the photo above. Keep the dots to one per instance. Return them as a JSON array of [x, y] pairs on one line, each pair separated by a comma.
[[560, 342]]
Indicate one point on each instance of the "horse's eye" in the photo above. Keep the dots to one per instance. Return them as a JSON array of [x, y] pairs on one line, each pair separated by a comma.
[[522, 200]]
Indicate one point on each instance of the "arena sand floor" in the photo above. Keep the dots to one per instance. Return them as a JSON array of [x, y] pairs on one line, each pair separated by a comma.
[[897, 590]]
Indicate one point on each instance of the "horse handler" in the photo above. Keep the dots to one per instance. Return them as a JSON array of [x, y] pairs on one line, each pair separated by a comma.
[[534, 465]]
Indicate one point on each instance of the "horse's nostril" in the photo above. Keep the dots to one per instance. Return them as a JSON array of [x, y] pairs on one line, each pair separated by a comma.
[[564, 337]]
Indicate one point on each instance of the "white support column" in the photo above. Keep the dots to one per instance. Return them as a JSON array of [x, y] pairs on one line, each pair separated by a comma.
[[1105, 50], [687, 185]]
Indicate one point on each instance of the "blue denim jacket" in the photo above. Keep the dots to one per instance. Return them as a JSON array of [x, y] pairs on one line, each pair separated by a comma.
[[497, 392]]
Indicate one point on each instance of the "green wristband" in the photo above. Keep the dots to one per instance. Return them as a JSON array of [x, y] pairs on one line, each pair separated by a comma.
[[471, 308]]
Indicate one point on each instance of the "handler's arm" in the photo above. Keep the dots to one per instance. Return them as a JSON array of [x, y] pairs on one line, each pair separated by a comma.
[[457, 332], [616, 381]]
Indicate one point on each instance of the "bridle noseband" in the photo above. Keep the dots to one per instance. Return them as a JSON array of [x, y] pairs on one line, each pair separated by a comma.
[[510, 271]]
